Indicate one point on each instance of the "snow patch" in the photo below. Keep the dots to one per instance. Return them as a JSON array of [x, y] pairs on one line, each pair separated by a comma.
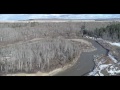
[[112, 43], [104, 66], [112, 58], [113, 70], [97, 75], [90, 37], [98, 69], [115, 44]]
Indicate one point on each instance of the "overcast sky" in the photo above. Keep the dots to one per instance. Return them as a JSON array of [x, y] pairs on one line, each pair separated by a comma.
[[59, 16]]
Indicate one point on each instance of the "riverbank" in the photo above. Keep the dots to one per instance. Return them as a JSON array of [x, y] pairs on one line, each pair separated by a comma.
[[79, 67], [86, 63], [67, 66], [51, 73], [106, 65]]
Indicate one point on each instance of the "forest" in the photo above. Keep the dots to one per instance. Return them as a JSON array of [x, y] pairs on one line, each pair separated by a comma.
[[40, 55], [110, 32], [20, 52]]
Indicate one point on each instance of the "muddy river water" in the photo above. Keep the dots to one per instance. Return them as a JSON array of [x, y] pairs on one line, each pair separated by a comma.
[[85, 63]]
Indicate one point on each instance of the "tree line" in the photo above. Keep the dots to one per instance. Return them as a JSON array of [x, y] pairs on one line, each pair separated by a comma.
[[110, 32]]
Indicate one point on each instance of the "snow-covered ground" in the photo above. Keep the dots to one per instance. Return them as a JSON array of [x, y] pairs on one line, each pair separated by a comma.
[[112, 58], [98, 69], [112, 43], [110, 68], [104, 67], [93, 38], [115, 44]]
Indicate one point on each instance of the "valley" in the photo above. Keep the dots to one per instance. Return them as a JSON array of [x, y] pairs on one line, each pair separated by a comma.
[[59, 48]]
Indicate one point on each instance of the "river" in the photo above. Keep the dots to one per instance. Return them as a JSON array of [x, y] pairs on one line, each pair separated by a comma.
[[85, 63]]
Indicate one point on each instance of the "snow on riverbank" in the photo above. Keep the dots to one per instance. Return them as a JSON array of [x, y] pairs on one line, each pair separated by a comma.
[[112, 58], [112, 43], [103, 68], [115, 44], [90, 37], [98, 69], [108, 66]]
